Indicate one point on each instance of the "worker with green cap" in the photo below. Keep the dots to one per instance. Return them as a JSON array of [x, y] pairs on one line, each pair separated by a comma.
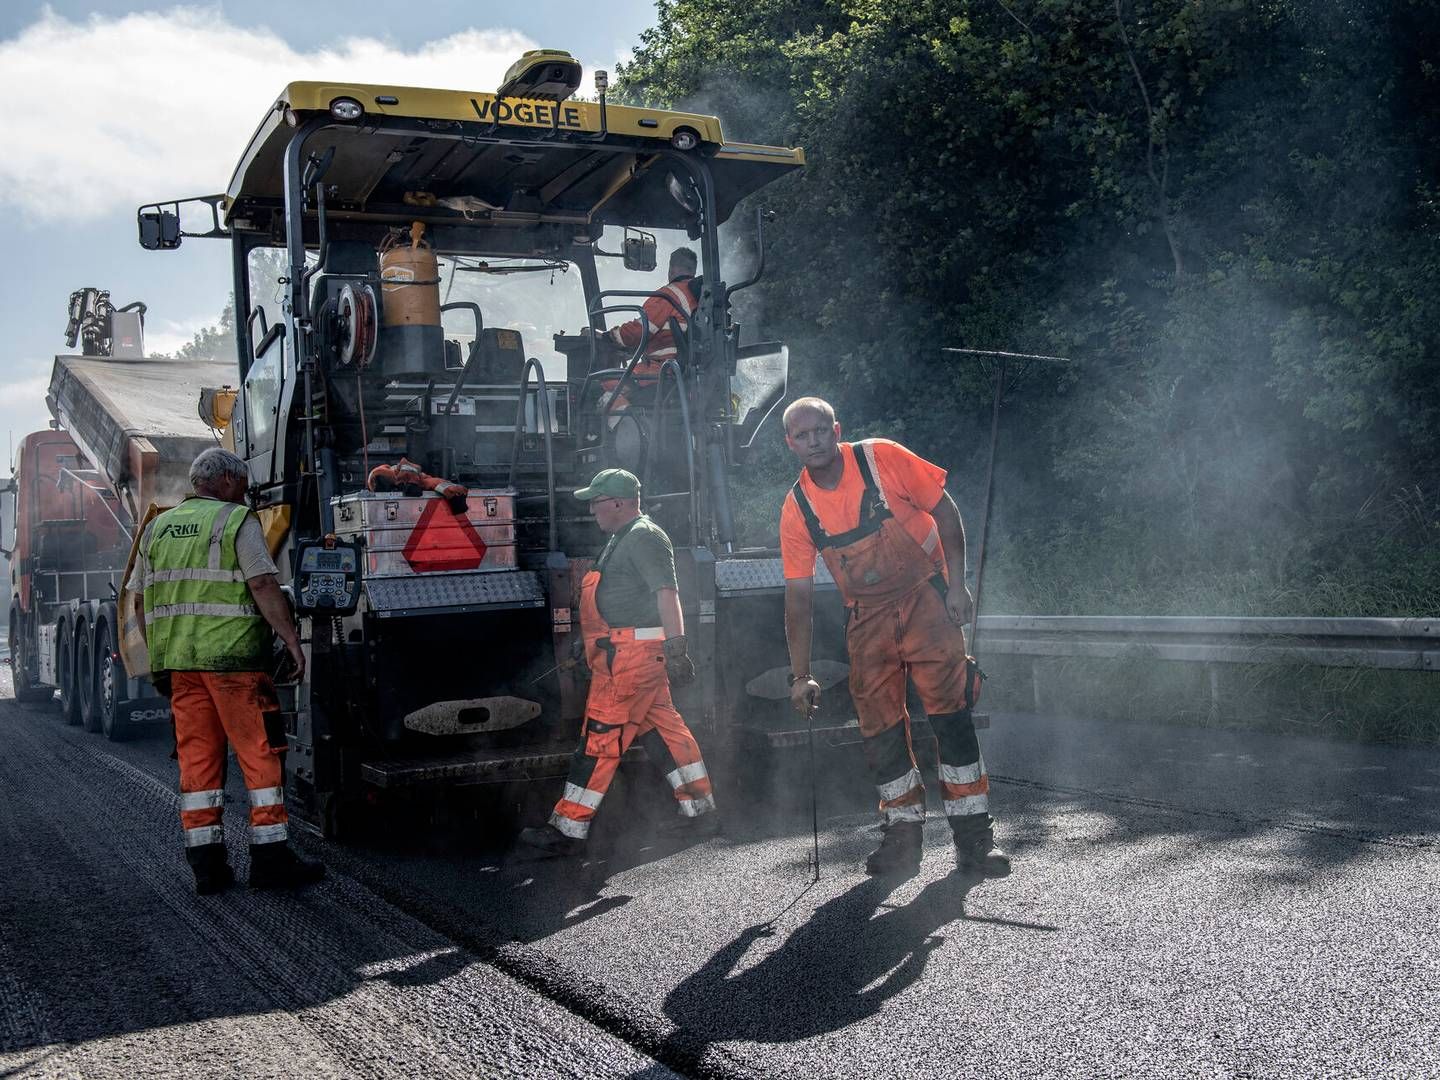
[[634, 636]]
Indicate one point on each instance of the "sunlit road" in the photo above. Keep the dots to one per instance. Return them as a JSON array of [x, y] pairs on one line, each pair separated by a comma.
[[1185, 902]]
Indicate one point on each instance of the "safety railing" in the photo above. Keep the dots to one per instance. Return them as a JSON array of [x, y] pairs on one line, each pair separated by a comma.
[[671, 368], [1395, 644], [547, 424]]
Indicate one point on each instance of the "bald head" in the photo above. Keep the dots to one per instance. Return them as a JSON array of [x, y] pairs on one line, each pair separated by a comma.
[[805, 406], [813, 436]]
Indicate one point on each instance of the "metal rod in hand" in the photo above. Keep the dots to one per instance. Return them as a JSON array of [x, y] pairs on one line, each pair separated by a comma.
[[814, 798]]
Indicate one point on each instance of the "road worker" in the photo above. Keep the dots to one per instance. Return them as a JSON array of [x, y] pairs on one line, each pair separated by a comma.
[[677, 300], [207, 604], [892, 539], [635, 647]]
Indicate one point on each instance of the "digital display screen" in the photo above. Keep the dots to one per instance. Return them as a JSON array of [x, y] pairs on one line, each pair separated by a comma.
[[318, 559]]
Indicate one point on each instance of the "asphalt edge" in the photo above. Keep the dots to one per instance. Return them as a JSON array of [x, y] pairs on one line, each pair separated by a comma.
[[613, 1014]]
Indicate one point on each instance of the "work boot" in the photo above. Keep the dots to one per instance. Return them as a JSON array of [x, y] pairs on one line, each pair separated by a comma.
[[212, 871], [548, 842], [276, 866], [899, 851], [701, 827], [981, 858]]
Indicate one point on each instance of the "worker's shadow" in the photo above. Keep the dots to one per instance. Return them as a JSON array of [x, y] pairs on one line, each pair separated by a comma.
[[551, 895], [840, 966]]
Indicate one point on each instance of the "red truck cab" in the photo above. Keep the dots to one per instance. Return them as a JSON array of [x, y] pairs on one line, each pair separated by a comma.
[[68, 540]]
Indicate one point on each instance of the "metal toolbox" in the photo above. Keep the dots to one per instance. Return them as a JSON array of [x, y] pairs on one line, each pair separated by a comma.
[[406, 535]]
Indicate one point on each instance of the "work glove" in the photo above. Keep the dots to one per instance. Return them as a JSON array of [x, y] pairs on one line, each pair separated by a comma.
[[454, 495], [679, 668]]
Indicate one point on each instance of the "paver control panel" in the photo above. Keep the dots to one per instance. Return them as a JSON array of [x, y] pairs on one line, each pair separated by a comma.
[[327, 577]]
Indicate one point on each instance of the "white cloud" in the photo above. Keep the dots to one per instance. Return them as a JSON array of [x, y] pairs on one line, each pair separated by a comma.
[[22, 399], [109, 113]]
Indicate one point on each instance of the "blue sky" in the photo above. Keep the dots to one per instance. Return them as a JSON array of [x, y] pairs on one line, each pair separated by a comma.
[[115, 104]]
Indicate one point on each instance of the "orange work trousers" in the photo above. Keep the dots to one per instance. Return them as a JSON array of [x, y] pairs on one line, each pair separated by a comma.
[[913, 636], [210, 709], [629, 700]]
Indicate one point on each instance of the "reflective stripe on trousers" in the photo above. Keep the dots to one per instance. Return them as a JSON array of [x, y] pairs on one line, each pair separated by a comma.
[[205, 834], [964, 784], [629, 699], [213, 710]]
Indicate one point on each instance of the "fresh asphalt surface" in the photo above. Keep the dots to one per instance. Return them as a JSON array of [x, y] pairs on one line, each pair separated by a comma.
[[1185, 902]]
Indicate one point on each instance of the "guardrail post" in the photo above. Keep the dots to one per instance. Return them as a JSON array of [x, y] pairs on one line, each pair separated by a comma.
[[1035, 682], [1213, 671]]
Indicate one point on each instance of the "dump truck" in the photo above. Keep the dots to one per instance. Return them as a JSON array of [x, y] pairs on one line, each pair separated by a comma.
[[124, 432], [427, 276]]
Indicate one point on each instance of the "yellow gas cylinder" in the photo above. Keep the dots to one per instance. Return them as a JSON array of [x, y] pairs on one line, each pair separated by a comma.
[[409, 279]]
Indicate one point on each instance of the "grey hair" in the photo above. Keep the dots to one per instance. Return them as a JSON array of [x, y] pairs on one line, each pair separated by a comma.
[[686, 256], [807, 404], [215, 464]]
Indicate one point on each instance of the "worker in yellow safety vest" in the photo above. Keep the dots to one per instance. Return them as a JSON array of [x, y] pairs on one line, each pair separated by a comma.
[[207, 604]]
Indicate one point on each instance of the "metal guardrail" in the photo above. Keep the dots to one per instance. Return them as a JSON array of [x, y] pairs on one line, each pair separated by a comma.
[[1395, 644]]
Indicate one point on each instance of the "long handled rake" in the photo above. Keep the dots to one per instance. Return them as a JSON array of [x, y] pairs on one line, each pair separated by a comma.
[[814, 797]]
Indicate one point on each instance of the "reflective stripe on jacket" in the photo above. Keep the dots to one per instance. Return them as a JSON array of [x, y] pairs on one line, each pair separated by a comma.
[[199, 614], [677, 301]]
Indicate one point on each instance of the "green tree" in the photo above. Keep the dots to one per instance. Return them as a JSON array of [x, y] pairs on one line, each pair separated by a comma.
[[1224, 211]]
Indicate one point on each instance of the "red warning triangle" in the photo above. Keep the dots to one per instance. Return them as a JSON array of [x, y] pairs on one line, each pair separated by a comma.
[[443, 540]]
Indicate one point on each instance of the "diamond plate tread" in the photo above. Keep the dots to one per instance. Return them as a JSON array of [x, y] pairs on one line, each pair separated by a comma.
[[428, 593], [752, 575]]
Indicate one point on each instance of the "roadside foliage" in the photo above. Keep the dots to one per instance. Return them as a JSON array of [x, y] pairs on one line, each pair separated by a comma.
[[1227, 214]]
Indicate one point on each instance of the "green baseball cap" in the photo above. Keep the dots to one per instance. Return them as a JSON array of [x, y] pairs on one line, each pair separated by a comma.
[[611, 484]]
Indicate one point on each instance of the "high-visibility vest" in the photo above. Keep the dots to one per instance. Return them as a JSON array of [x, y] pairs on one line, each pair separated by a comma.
[[199, 614]]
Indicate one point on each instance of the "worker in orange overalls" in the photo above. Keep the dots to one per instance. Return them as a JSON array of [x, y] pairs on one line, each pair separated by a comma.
[[892, 539], [207, 605], [677, 300], [635, 648]]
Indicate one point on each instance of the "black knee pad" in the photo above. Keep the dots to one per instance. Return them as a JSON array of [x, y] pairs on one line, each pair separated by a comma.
[[656, 751], [955, 734], [888, 754]]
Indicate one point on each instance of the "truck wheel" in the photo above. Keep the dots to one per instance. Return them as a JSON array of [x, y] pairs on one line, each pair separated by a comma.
[[65, 673], [109, 678], [85, 676], [25, 689]]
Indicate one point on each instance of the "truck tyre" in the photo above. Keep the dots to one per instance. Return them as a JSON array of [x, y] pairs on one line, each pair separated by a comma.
[[25, 689], [65, 674], [85, 675], [109, 685]]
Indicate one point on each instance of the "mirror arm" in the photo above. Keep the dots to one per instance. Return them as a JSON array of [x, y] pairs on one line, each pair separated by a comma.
[[761, 216]]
